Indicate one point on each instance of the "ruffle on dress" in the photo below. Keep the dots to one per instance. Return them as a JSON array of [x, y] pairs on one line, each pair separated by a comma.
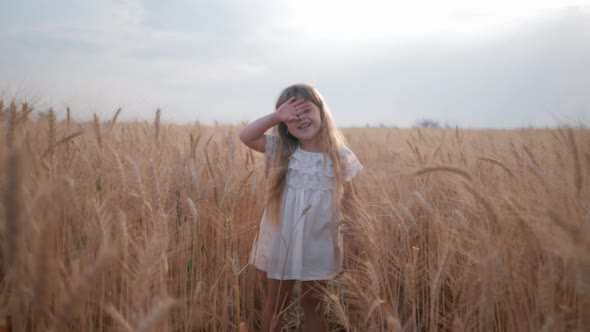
[[307, 167], [308, 171]]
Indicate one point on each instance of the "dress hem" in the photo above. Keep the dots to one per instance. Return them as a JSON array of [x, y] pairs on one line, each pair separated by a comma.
[[328, 276]]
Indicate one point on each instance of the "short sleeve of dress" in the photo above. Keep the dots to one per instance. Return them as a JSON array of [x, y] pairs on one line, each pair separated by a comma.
[[351, 166]]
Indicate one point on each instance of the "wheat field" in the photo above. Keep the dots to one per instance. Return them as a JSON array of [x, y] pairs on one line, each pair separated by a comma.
[[110, 226]]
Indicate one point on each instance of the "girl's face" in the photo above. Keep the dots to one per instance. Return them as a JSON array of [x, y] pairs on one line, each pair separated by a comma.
[[308, 126]]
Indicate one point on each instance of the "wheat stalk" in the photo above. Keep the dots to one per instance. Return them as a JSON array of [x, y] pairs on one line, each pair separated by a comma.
[[97, 131], [458, 325], [124, 236], [340, 311], [455, 170], [193, 144], [14, 206], [498, 163], [486, 204], [120, 170], [52, 140], [157, 126], [118, 317], [578, 178], [531, 156], [193, 174], [43, 273], [137, 178], [62, 141], [68, 119], [71, 305], [192, 209], [155, 187], [13, 254], [11, 130]]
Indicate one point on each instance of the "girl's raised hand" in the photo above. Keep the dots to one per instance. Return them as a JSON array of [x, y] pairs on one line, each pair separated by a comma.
[[290, 110]]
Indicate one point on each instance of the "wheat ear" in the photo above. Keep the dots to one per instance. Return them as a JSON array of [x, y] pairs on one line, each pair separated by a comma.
[[114, 119], [26, 110], [155, 314]]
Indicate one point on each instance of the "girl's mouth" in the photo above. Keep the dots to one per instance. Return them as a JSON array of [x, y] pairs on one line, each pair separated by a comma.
[[304, 125]]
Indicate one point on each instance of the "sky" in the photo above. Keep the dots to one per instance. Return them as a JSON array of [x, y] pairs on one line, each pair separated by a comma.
[[467, 63]]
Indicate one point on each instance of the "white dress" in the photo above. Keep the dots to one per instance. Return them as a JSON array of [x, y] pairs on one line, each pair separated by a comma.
[[306, 244]]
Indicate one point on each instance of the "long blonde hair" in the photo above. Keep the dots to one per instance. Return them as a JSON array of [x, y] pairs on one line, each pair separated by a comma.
[[330, 137]]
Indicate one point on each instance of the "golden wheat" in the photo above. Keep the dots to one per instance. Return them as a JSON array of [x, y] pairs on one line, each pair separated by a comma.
[[155, 234]]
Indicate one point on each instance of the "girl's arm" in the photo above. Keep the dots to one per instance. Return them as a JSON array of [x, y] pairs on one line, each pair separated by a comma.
[[253, 134]]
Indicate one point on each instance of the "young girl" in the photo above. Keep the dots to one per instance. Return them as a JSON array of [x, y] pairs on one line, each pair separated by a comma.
[[309, 170]]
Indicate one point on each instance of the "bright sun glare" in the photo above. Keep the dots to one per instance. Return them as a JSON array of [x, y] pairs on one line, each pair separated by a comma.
[[347, 20]]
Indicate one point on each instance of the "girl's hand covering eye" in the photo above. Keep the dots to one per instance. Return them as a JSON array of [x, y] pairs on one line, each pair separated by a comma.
[[291, 109]]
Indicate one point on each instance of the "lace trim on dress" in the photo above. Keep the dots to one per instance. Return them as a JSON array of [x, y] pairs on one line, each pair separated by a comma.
[[310, 170], [311, 163], [352, 170], [304, 181], [307, 171], [350, 164]]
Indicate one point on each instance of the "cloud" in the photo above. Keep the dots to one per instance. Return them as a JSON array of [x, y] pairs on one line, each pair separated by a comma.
[[531, 74], [227, 60], [118, 33]]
